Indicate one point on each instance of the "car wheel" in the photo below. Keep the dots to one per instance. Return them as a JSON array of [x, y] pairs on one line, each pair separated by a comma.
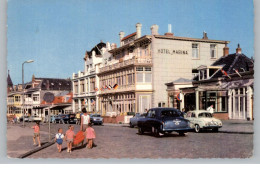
[[182, 134], [140, 131], [155, 132], [131, 125], [215, 129], [197, 128]]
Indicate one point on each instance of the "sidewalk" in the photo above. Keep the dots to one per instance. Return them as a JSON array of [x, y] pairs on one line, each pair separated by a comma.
[[19, 140], [237, 126]]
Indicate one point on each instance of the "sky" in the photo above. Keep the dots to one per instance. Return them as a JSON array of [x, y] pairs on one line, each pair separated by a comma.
[[56, 33]]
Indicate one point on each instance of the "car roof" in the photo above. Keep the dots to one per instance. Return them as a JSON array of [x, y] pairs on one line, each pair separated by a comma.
[[199, 111]]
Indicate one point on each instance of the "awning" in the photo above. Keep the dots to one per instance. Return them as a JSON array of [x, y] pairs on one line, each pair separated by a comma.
[[40, 107], [57, 107], [237, 84]]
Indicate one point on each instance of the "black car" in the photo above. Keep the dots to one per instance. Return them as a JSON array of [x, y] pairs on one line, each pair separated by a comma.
[[65, 118], [163, 120]]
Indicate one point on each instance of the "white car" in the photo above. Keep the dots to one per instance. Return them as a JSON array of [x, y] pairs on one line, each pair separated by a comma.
[[203, 120]]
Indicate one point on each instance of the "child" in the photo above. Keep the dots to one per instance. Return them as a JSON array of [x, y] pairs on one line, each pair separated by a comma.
[[59, 139], [69, 137], [90, 135], [36, 134]]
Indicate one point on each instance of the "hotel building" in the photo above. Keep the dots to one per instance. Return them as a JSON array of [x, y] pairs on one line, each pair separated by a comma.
[[143, 64]]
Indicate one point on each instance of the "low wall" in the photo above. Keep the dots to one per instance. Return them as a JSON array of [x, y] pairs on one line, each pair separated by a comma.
[[113, 119], [221, 116]]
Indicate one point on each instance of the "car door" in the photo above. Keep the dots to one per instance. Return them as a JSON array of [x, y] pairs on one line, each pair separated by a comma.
[[149, 119]]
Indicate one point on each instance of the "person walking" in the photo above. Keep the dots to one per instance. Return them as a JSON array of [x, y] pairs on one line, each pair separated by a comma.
[[78, 118], [69, 137], [36, 134], [90, 136], [59, 139], [85, 120]]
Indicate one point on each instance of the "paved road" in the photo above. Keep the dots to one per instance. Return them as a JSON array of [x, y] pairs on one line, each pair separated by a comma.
[[124, 142]]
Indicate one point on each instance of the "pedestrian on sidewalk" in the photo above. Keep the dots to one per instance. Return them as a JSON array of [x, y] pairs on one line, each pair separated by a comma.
[[59, 139], [36, 134], [69, 136], [90, 136], [85, 120]]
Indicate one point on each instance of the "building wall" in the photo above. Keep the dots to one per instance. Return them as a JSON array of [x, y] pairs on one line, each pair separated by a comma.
[[169, 66]]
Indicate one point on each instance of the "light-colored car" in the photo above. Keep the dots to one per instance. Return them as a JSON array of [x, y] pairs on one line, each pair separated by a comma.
[[35, 118], [203, 120], [134, 120]]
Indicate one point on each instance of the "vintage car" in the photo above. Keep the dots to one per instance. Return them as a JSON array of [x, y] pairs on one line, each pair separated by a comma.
[[96, 119], [203, 119], [163, 120], [134, 120]]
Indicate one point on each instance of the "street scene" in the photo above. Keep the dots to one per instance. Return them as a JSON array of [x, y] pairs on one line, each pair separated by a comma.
[[234, 140], [151, 87]]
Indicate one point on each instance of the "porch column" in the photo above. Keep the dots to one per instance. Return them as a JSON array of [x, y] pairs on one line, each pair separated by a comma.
[[73, 106], [249, 102], [197, 99], [230, 104], [79, 102], [182, 103], [97, 103], [234, 104]]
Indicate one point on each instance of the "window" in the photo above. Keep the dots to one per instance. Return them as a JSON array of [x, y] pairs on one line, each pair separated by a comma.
[[213, 52], [151, 114], [92, 84], [129, 79], [76, 87], [82, 86], [169, 113], [36, 97], [144, 74], [17, 98], [195, 50]]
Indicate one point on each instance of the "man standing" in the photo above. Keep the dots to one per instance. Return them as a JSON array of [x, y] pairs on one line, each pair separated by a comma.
[[210, 109]]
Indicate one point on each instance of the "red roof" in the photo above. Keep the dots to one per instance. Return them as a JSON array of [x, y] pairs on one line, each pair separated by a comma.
[[128, 36], [60, 99]]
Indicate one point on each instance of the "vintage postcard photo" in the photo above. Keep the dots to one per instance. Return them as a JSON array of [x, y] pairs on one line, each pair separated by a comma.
[[130, 79]]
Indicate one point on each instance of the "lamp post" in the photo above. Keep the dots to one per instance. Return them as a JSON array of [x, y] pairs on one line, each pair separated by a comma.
[[29, 61]]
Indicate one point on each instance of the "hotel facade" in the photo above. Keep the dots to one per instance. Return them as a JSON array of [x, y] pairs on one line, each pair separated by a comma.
[[141, 66]]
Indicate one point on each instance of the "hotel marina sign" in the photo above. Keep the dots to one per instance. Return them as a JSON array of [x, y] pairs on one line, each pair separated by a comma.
[[171, 52]]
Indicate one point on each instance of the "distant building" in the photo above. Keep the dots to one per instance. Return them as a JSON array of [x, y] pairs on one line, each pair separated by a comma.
[[86, 83], [227, 84], [34, 96]]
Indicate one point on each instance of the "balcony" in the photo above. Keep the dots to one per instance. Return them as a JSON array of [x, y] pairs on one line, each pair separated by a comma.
[[133, 61], [125, 88]]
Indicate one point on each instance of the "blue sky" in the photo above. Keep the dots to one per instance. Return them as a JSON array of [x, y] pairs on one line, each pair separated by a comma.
[[56, 33]]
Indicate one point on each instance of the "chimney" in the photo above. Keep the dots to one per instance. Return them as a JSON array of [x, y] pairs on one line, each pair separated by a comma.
[[205, 35], [238, 50], [121, 36], [169, 33], [226, 50], [113, 45], [108, 46], [154, 29], [138, 30]]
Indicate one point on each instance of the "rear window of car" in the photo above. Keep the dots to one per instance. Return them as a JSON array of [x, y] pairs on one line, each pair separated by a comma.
[[170, 113], [204, 114]]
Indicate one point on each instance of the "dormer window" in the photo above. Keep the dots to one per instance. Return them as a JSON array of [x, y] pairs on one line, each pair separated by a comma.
[[213, 51], [195, 50]]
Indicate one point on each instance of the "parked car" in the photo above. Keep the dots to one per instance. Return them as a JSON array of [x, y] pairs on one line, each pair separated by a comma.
[[34, 118], [26, 119], [58, 118], [69, 118], [203, 119], [53, 118], [134, 120], [96, 119], [163, 120]]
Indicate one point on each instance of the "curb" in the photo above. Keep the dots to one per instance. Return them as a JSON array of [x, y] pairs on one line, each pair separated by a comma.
[[36, 149], [236, 132]]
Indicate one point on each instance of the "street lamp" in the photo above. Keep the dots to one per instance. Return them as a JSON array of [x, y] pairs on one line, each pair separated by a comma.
[[29, 61]]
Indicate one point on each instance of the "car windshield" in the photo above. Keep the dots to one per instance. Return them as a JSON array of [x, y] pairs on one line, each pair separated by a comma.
[[205, 114]]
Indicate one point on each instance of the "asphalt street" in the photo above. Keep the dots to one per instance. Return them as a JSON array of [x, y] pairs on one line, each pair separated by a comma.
[[120, 141]]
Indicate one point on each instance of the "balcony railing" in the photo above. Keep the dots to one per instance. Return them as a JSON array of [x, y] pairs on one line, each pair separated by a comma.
[[124, 88], [133, 61]]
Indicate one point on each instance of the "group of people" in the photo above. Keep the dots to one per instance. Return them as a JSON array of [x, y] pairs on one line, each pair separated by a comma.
[[70, 135]]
